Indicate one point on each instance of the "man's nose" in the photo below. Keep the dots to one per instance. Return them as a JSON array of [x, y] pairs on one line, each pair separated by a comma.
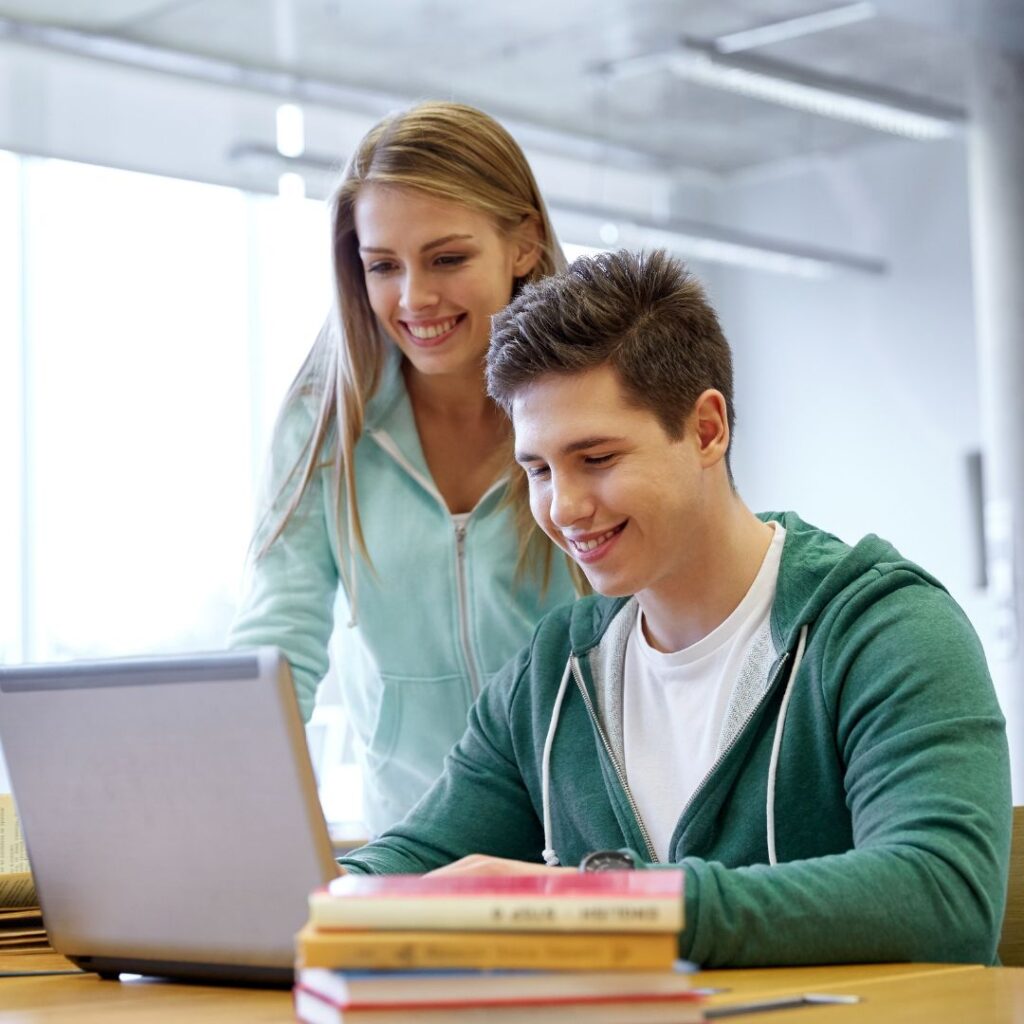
[[571, 502]]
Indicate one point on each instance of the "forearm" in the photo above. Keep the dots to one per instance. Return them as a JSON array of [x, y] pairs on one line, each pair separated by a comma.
[[897, 904], [926, 784]]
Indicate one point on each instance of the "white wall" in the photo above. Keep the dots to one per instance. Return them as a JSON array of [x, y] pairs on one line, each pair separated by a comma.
[[857, 397]]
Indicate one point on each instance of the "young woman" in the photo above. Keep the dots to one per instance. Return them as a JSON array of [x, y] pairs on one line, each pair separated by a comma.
[[393, 497]]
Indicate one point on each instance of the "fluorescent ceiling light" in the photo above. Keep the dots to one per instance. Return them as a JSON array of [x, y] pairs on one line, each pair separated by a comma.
[[790, 85], [794, 28], [291, 186], [291, 130], [801, 89]]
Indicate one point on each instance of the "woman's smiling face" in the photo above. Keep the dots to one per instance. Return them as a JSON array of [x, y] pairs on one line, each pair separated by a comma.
[[436, 272]]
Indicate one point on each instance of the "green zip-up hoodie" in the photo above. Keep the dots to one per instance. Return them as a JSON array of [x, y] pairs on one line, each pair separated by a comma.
[[891, 804]]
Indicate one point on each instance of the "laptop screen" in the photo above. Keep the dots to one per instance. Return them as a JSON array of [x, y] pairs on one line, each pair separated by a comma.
[[169, 808]]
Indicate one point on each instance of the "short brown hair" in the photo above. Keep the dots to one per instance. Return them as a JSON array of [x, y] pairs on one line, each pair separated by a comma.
[[644, 314]]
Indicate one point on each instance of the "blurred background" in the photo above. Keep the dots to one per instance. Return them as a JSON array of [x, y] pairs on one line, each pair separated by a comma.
[[847, 178]]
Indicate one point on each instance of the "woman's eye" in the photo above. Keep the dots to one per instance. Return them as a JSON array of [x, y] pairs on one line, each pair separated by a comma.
[[450, 260], [536, 472], [381, 267], [599, 460]]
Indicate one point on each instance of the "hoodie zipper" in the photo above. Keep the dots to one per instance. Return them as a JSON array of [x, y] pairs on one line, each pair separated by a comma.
[[736, 735], [460, 592], [619, 770], [388, 444]]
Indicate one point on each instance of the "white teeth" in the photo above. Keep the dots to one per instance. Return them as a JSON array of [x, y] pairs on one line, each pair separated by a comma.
[[426, 333], [589, 545]]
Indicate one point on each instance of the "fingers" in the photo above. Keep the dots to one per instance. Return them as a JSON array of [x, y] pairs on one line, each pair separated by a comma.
[[481, 864]]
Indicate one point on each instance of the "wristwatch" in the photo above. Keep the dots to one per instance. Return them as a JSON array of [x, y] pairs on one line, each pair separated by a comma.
[[608, 860]]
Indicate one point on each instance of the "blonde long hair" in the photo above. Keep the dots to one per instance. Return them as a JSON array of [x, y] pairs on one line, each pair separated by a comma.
[[452, 152]]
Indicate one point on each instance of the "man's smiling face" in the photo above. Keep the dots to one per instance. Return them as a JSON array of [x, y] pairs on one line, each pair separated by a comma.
[[607, 483]]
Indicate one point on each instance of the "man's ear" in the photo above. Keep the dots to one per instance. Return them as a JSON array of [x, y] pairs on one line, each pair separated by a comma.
[[710, 419], [528, 244]]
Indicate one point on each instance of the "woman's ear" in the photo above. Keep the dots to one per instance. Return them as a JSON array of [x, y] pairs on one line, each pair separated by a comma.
[[527, 245]]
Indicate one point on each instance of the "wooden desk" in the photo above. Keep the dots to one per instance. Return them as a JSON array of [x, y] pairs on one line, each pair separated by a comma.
[[890, 994], [990, 995]]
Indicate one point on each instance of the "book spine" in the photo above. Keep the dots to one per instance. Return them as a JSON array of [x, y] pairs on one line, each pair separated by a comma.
[[499, 914], [487, 951]]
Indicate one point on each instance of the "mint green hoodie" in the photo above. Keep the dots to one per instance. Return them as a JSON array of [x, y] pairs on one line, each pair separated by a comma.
[[891, 799], [436, 617]]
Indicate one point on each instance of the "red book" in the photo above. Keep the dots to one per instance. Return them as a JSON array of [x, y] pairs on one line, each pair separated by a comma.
[[677, 1009], [383, 996], [607, 901]]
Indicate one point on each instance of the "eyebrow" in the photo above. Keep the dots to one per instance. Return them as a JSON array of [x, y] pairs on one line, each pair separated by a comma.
[[423, 248], [573, 446]]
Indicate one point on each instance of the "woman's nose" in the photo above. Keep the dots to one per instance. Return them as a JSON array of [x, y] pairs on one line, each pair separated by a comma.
[[418, 292]]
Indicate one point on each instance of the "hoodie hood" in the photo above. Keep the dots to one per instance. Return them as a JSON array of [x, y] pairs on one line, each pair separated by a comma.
[[817, 567]]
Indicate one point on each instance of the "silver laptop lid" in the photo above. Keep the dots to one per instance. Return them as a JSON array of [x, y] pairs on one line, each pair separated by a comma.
[[169, 808]]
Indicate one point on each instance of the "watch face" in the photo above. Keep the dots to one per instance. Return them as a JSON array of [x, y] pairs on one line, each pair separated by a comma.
[[607, 860]]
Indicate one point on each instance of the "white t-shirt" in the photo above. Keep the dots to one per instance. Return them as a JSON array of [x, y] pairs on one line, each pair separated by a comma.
[[674, 705]]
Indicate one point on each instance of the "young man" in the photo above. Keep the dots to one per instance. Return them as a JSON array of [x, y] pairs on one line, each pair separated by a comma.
[[808, 729]]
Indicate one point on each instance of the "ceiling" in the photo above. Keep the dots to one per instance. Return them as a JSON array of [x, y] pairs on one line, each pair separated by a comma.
[[540, 62]]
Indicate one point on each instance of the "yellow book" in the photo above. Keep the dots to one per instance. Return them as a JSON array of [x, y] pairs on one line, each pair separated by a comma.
[[16, 886], [13, 857], [17, 892], [550, 951]]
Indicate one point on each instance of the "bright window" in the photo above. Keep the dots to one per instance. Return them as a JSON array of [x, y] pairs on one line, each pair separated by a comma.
[[10, 411], [149, 327], [138, 426]]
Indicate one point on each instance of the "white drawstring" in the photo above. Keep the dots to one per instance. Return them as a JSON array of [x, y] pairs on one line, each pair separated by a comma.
[[773, 763], [550, 857]]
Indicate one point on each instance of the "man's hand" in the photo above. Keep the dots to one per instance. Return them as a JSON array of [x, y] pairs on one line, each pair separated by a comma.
[[480, 864]]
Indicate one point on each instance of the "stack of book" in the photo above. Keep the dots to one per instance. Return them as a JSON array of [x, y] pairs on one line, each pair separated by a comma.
[[598, 947], [21, 923]]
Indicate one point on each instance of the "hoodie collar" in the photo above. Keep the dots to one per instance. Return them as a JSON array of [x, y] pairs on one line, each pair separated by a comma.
[[390, 390], [389, 412], [816, 567]]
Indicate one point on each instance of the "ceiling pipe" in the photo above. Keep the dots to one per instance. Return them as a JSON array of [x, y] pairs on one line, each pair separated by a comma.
[[794, 28], [603, 227], [303, 90]]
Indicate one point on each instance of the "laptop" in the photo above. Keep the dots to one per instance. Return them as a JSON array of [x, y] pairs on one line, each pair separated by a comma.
[[170, 812]]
